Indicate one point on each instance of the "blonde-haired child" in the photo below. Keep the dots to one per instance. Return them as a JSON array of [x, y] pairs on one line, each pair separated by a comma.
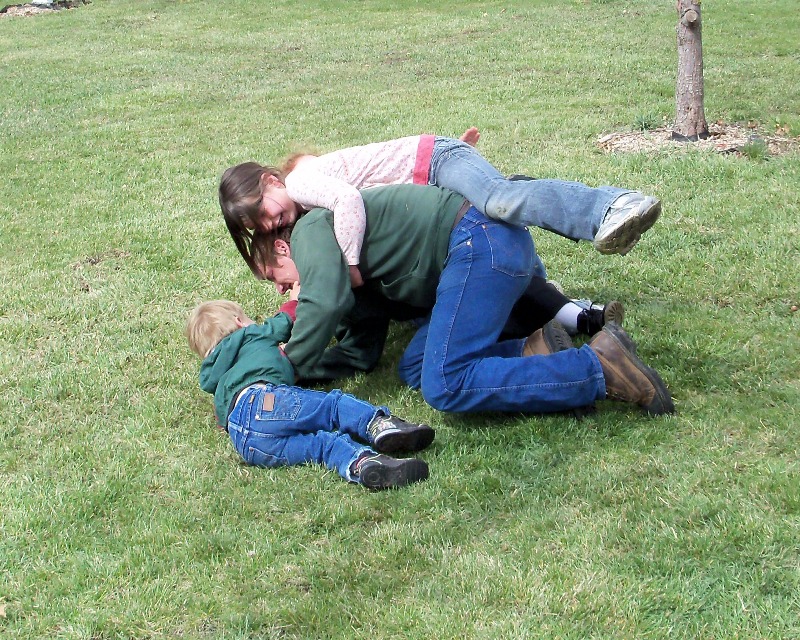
[[272, 423]]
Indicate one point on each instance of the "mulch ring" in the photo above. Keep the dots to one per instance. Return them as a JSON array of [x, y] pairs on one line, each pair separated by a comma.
[[722, 137], [39, 6]]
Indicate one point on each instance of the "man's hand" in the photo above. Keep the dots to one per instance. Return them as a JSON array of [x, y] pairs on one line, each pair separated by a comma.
[[294, 292]]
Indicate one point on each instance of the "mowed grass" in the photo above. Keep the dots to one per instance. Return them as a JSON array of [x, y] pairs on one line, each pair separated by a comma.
[[126, 514]]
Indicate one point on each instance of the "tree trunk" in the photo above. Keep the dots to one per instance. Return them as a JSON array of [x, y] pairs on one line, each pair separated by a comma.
[[690, 119]]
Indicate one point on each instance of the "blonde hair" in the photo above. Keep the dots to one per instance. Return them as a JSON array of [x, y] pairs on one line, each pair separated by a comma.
[[210, 322]]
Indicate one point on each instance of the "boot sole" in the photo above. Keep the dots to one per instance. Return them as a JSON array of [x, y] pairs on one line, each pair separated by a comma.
[[400, 474], [614, 312], [412, 439], [622, 238], [662, 400], [556, 337]]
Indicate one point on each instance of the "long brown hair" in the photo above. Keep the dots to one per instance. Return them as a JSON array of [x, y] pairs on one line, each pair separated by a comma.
[[240, 200]]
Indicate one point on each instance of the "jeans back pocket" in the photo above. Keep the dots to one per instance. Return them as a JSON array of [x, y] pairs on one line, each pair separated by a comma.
[[511, 247], [277, 403]]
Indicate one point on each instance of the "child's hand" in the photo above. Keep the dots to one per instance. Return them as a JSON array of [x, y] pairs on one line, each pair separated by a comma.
[[355, 277], [294, 292]]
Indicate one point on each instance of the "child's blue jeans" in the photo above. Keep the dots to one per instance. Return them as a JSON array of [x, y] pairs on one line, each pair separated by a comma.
[[571, 209], [278, 425]]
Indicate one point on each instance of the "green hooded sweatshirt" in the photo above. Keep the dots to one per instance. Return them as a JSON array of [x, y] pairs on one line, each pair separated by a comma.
[[405, 248], [245, 357]]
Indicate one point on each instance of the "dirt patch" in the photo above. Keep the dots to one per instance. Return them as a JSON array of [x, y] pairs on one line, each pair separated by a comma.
[[83, 267], [101, 257], [722, 138]]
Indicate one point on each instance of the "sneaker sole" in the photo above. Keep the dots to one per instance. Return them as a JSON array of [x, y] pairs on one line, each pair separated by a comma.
[[405, 472], [662, 400], [623, 237], [414, 439]]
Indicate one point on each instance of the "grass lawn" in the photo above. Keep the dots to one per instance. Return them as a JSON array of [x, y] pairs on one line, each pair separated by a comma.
[[126, 514]]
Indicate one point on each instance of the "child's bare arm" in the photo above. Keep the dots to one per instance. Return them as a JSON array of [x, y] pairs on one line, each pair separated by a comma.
[[355, 277], [315, 189]]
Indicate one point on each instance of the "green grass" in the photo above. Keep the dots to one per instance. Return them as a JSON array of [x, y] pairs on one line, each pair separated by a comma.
[[125, 514], [755, 150]]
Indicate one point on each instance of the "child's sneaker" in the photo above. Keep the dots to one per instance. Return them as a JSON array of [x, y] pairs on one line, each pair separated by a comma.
[[628, 217], [391, 434], [382, 472]]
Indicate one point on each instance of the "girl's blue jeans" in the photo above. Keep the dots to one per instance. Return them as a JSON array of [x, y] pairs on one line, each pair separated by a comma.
[[455, 357], [571, 209], [278, 425]]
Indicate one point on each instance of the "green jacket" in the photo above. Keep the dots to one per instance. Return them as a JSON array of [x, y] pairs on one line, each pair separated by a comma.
[[404, 251], [245, 357]]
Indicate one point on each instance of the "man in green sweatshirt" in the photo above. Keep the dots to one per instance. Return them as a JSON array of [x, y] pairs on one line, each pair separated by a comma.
[[428, 249]]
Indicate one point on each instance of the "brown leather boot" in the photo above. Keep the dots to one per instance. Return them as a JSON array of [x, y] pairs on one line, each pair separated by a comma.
[[550, 338], [628, 378]]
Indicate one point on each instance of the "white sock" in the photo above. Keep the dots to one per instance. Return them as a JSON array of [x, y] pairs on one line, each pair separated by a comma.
[[568, 317]]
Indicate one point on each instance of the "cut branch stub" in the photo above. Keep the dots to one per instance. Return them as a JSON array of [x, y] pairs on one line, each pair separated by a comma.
[[690, 17]]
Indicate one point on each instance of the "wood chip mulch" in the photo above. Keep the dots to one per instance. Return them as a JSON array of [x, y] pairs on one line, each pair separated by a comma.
[[723, 138]]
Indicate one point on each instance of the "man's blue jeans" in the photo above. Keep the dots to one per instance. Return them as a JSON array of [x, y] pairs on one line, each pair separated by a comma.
[[571, 209], [455, 358], [276, 426]]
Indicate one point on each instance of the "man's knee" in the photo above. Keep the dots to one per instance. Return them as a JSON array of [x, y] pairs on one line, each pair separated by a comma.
[[410, 374], [441, 398]]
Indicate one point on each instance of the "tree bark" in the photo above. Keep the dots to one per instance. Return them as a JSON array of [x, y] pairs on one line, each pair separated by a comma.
[[690, 119]]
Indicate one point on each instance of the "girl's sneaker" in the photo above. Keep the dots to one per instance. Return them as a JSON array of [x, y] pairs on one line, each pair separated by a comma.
[[628, 217]]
